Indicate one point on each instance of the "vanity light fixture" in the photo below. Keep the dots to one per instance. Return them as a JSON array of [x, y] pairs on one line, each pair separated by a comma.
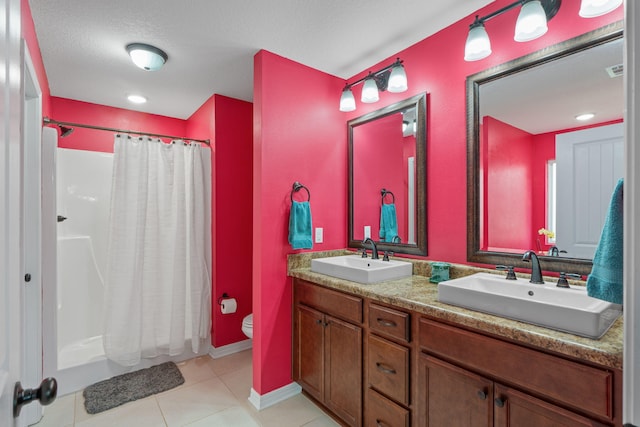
[[531, 24], [147, 57], [593, 8], [392, 78]]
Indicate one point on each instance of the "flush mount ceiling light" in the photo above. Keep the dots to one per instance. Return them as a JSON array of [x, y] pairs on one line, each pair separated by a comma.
[[531, 24], [137, 99], [147, 57], [593, 8], [392, 78]]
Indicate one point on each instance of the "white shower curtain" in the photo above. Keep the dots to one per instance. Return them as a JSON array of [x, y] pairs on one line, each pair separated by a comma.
[[158, 277]]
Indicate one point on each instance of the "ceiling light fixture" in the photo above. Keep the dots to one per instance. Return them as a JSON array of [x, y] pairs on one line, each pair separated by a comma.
[[593, 8], [531, 24], [147, 57], [392, 78], [137, 99], [584, 117]]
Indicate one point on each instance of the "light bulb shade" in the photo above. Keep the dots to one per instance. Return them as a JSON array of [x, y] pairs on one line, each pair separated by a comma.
[[531, 23], [397, 79], [593, 8], [370, 91], [147, 57], [347, 101], [478, 45]]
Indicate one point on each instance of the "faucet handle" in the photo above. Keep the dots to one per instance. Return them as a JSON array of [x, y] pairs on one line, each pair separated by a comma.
[[511, 275], [386, 255], [364, 252], [562, 280]]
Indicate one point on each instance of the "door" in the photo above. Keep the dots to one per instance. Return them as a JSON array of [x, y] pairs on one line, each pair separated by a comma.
[[343, 370], [513, 408], [309, 341], [451, 396], [10, 210], [589, 163]]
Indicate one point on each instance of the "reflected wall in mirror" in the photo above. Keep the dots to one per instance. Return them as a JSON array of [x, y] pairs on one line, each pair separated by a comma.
[[539, 179], [387, 177]]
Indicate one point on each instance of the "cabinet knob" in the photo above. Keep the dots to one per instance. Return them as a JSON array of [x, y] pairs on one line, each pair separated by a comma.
[[380, 423], [499, 402], [319, 321], [482, 394]]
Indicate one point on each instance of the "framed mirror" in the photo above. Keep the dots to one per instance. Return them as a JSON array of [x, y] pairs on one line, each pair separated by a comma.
[[537, 178], [387, 177]]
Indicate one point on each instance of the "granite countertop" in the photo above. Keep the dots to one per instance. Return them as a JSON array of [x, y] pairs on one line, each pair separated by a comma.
[[416, 293]]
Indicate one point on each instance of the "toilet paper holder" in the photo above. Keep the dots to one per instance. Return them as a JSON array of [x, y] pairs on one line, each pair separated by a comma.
[[224, 296]]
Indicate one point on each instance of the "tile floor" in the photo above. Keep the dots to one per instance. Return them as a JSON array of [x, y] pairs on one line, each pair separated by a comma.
[[214, 393]]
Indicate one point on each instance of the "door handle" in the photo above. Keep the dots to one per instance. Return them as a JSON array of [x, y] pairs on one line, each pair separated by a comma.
[[46, 394]]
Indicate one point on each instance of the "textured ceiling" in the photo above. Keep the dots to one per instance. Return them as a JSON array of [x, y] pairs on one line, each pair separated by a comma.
[[211, 43]]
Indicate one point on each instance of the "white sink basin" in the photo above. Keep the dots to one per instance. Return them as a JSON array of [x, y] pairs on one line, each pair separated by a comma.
[[361, 270], [568, 310]]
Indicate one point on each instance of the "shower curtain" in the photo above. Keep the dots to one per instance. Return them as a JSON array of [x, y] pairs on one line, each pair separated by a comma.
[[158, 281]]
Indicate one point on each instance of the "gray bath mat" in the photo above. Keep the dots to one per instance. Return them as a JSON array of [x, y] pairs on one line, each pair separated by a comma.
[[125, 388]]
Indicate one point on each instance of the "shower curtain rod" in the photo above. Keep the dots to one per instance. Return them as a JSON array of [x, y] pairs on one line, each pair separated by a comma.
[[47, 121]]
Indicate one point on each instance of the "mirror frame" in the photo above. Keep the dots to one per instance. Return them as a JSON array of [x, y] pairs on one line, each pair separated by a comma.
[[420, 103], [474, 254]]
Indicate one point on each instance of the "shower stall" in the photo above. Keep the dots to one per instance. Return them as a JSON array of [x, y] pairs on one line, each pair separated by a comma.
[[77, 188]]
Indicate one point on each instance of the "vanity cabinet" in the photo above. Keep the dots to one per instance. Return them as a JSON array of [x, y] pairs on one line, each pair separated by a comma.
[[375, 364], [327, 346], [488, 382]]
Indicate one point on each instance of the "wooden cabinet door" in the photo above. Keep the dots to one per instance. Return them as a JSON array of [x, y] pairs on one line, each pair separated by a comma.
[[343, 370], [451, 396], [516, 409], [308, 364]]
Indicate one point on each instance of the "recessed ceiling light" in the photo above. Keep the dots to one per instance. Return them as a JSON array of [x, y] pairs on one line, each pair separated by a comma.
[[137, 99], [585, 117]]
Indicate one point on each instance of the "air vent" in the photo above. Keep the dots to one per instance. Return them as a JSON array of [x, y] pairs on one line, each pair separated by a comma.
[[615, 70]]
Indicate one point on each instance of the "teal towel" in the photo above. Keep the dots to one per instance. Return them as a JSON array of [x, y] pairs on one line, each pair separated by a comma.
[[300, 226], [388, 222], [605, 280]]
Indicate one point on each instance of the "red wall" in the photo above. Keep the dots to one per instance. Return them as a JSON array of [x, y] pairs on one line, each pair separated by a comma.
[[299, 135], [68, 110], [508, 191], [227, 122]]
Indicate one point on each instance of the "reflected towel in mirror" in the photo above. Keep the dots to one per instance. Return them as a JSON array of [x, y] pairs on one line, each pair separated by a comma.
[[388, 222]]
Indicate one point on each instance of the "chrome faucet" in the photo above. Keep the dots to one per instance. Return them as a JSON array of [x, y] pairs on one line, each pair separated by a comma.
[[374, 248], [536, 271]]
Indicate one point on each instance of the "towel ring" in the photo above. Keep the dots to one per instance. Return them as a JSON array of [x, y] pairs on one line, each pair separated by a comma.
[[296, 187], [384, 192]]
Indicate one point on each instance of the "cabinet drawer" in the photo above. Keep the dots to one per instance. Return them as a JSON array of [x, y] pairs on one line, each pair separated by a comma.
[[561, 381], [337, 304], [381, 412], [389, 322], [388, 369]]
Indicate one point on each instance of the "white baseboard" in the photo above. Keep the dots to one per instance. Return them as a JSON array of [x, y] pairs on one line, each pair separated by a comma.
[[226, 350], [261, 402]]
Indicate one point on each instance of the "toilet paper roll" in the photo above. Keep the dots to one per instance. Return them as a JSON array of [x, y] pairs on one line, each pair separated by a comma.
[[228, 305]]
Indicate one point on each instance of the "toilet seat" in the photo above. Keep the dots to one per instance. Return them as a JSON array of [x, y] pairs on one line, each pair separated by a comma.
[[247, 325]]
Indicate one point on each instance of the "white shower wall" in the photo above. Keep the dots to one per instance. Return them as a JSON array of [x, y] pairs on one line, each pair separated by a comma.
[[83, 191]]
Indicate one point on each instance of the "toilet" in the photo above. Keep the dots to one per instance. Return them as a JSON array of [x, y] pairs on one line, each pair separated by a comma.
[[247, 325]]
